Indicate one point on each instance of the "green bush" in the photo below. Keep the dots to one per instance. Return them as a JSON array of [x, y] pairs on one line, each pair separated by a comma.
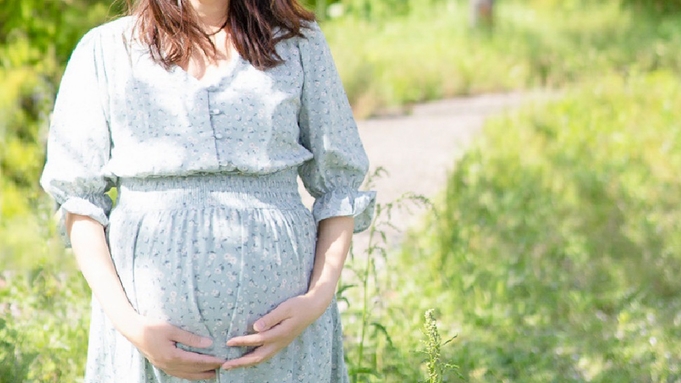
[[36, 38], [431, 52], [44, 317], [43, 300], [558, 241], [370, 9], [662, 6]]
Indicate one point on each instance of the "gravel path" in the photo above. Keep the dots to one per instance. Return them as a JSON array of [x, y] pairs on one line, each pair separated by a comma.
[[419, 150]]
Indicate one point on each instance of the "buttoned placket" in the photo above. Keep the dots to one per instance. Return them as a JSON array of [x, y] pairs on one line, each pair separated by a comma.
[[214, 112], [214, 116]]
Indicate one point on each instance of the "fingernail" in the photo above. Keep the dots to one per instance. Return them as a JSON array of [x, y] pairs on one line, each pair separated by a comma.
[[206, 342], [258, 326]]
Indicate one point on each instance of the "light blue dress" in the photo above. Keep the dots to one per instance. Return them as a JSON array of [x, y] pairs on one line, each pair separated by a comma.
[[208, 232]]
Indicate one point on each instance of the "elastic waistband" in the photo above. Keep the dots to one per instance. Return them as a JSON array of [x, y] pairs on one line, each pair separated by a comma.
[[277, 190]]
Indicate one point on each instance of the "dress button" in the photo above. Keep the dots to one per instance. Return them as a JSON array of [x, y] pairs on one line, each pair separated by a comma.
[[218, 136], [215, 111]]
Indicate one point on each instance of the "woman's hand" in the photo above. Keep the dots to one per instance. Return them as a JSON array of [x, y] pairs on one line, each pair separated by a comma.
[[278, 329], [156, 341]]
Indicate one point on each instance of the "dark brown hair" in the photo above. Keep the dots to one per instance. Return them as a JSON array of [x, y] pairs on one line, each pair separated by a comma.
[[172, 32]]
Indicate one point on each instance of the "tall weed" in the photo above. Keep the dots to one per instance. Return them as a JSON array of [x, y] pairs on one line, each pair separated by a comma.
[[387, 339], [435, 366]]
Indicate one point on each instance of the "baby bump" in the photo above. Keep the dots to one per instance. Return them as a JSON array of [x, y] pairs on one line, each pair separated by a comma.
[[212, 270]]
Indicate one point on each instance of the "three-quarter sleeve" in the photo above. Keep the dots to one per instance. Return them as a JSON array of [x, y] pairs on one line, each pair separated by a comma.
[[328, 130], [78, 143]]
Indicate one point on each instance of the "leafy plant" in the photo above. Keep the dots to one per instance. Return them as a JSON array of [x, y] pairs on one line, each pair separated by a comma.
[[661, 6], [43, 336], [558, 236], [368, 289], [435, 366]]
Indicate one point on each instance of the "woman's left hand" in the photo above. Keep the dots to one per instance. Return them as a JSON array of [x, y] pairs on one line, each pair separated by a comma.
[[280, 327], [277, 329]]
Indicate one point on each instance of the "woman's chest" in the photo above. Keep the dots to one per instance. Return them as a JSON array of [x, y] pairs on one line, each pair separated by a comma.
[[243, 116], [239, 103]]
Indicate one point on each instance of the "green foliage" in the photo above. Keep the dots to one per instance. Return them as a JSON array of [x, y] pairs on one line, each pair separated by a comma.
[[52, 26], [367, 9], [557, 246], [36, 38], [43, 333], [660, 6], [372, 353], [431, 52], [44, 312]]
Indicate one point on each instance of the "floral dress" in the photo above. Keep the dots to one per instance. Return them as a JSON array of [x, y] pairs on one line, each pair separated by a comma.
[[208, 231]]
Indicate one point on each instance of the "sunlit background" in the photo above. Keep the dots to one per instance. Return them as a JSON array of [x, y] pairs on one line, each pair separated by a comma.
[[553, 254]]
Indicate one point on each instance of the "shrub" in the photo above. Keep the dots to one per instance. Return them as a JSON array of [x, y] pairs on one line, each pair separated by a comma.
[[558, 240], [44, 325], [663, 6], [36, 38]]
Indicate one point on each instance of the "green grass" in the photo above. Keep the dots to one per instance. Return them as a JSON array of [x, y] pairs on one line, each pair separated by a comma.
[[44, 319], [556, 252], [431, 53]]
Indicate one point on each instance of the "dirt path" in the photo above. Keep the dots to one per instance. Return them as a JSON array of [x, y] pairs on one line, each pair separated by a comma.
[[419, 150]]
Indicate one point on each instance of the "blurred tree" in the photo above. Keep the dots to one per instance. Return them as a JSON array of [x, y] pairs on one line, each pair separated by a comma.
[[36, 38], [481, 13], [659, 6], [320, 8], [369, 9], [53, 24]]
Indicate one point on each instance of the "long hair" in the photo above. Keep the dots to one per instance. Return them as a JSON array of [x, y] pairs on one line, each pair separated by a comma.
[[171, 31]]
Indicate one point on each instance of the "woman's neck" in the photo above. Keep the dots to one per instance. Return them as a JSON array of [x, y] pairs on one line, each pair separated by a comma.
[[210, 12]]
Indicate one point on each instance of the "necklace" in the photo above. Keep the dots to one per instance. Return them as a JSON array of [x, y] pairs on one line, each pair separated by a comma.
[[219, 29]]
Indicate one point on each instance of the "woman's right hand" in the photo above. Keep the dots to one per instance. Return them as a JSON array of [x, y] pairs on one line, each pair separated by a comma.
[[156, 340]]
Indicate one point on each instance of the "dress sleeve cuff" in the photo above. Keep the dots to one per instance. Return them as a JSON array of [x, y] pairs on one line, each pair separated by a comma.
[[346, 202], [95, 207]]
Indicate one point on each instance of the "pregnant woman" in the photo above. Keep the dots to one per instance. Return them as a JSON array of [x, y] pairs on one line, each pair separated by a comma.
[[202, 114]]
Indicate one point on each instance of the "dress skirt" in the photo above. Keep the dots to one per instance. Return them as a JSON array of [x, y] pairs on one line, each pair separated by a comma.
[[211, 254]]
